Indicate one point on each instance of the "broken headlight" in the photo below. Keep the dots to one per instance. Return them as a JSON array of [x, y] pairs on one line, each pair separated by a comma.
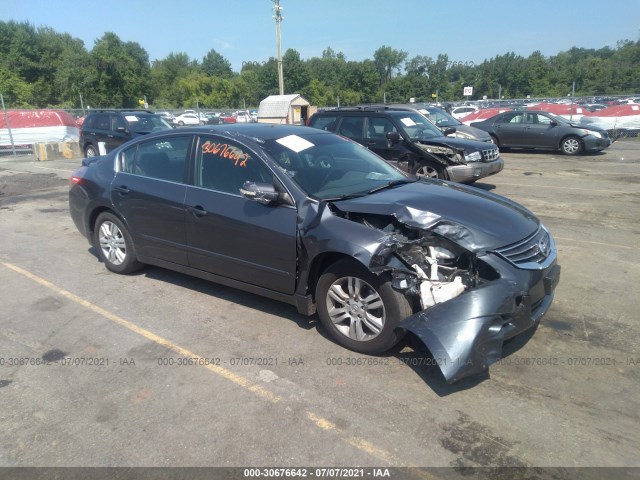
[[473, 157]]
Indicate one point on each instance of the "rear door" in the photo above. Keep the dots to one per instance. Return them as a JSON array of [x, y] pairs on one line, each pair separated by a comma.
[[510, 129], [100, 133], [149, 191], [352, 126], [229, 235]]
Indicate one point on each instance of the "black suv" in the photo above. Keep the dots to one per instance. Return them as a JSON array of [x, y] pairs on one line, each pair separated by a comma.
[[115, 127], [410, 141]]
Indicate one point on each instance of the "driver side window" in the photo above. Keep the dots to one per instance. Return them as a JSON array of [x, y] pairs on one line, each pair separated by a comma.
[[225, 166], [351, 127], [378, 127]]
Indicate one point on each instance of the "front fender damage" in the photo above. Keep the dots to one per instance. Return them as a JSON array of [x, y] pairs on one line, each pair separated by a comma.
[[467, 302]]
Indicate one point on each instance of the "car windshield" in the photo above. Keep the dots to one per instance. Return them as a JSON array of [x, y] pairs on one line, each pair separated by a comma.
[[332, 167], [440, 119], [147, 123], [416, 126], [557, 119]]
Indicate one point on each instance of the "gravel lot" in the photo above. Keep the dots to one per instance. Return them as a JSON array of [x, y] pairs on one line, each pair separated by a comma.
[[160, 369]]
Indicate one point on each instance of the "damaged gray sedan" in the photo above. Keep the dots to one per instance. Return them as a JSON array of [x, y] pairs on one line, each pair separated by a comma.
[[315, 220]]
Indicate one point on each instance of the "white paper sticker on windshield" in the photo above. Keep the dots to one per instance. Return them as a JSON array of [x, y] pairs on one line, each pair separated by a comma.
[[131, 118], [408, 122], [295, 143]]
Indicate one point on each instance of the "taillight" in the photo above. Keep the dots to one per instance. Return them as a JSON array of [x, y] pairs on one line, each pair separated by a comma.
[[77, 176]]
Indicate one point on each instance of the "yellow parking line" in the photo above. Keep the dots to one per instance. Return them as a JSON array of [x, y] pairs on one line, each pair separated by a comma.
[[561, 188], [223, 372], [320, 422]]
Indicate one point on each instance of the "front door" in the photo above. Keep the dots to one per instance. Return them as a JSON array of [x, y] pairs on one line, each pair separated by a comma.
[[376, 138], [229, 235]]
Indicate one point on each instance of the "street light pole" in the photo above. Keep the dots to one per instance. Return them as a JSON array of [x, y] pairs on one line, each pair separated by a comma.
[[277, 9]]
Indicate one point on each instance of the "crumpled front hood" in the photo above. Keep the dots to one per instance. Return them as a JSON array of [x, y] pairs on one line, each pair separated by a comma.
[[464, 144], [472, 218]]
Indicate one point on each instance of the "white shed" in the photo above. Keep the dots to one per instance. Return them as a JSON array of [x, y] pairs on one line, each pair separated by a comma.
[[292, 109]]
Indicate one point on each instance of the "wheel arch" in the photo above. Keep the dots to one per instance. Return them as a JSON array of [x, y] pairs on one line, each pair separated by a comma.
[[571, 135], [320, 264], [95, 213]]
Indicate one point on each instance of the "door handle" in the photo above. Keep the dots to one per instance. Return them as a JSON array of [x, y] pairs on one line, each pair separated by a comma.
[[122, 189], [197, 211], [371, 144]]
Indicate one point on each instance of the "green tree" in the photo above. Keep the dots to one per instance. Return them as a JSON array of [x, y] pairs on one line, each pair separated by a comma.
[[216, 65], [122, 72], [294, 72], [387, 60]]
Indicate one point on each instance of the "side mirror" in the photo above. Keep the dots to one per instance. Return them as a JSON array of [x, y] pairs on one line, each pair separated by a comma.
[[392, 139], [263, 193], [553, 124], [449, 131]]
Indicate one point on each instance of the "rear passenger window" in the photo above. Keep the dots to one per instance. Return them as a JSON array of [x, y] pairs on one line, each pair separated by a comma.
[[102, 122], [163, 159], [325, 123]]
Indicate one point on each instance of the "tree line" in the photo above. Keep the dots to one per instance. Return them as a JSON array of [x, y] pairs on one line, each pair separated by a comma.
[[42, 68]]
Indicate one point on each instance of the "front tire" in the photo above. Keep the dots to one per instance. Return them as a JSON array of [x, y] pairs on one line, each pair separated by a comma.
[[428, 170], [114, 244], [360, 311], [571, 146]]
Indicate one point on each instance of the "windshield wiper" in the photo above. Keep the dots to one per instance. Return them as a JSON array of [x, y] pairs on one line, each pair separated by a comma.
[[391, 184], [344, 197]]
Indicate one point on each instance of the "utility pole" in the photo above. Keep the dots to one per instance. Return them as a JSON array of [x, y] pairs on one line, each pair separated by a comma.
[[277, 9]]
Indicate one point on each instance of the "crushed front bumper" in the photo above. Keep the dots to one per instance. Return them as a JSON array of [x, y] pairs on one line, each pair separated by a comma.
[[465, 335], [474, 170]]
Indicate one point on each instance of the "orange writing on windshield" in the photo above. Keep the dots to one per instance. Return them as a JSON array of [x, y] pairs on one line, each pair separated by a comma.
[[225, 150]]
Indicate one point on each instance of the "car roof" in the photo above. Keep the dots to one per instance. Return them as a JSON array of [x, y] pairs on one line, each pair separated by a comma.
[[367, 110], [124, 112], [260, 131]]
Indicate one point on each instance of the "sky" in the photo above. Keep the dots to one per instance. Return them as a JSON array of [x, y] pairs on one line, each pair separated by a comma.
[[244, 30]]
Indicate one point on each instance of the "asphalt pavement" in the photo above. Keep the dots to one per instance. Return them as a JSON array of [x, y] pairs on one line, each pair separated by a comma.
[[161, 369]]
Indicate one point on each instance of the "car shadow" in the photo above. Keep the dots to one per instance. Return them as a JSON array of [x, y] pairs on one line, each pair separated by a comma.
[[542, 151], [484, 186], [222, 292], [416, 356], [425, 366]]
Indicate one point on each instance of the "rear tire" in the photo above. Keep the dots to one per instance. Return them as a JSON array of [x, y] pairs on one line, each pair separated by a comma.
[[90, 151], [114, 244], [360, 310]]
